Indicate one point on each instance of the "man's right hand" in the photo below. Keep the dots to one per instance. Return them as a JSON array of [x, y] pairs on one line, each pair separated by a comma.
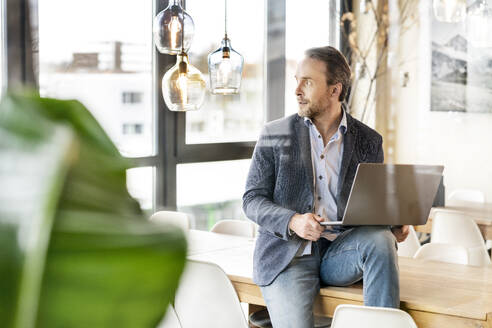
[[307, 226]]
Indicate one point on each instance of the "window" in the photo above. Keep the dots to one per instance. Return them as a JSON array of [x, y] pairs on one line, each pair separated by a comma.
[[115, 70], [105, 63], [314, 17], [234, 117], [213, 145], [140, 183], [129, 97], [132, 128], [211, 191]]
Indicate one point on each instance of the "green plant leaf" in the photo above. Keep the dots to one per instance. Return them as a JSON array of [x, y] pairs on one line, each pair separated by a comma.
[[76, 248]]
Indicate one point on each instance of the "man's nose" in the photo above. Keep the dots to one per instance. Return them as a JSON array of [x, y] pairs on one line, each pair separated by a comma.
[[298, 90]]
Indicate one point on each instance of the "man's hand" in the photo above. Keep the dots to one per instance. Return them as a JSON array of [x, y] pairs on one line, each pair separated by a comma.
[[307, 226], [400, 232]]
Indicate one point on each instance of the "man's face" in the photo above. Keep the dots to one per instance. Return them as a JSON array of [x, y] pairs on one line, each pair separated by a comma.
[[314, 96]]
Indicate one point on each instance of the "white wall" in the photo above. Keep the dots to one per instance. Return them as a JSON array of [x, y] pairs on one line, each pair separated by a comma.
[[462, 142]]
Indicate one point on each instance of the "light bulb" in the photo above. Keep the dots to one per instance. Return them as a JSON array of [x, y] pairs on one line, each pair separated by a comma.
[[225, 70], [183, 88], [174, 28]]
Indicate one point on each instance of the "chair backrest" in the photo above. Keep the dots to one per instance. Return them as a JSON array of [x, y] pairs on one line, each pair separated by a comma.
[[170, 319], [443, 253], [458, 229], [468, 195], [410, 245], [179, 219], [234, 227], [349, 316], [206, 298]]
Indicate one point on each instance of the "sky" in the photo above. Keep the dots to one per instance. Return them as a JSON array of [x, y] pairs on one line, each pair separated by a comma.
[[67, 26]]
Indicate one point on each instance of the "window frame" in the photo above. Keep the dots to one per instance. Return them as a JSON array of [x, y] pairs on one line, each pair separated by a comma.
[[172, 125], [21, 69], [20, 43]]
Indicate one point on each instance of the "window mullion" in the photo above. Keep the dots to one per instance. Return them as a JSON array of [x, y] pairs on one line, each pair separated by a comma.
[[275, 59]]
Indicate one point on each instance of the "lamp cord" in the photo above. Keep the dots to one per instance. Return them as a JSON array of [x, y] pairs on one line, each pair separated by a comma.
[[182, 29], [225, 18]]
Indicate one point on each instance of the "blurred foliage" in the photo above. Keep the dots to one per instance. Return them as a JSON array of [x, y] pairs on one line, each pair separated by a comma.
[[76, 249]]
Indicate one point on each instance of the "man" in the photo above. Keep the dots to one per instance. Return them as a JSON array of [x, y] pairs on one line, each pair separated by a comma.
[[301, 174]]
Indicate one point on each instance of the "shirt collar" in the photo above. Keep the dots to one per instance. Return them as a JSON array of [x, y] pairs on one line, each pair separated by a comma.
[[342, 127]]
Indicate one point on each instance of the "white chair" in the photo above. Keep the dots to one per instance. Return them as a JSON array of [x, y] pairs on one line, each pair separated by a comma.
[[234, 227], [170, 319], [443, 253], [349, 316], [468, 195], [409, 246], [179, 219], [458, 229], [237, 228], [206, 298]]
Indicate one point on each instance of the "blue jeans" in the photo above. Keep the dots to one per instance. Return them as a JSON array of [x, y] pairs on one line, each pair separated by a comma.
[[366, 252]]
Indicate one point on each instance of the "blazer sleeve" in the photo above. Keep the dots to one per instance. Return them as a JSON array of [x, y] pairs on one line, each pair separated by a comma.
[[258, 198]]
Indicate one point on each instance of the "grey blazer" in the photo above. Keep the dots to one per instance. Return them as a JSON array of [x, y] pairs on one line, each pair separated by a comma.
[[280, 184]]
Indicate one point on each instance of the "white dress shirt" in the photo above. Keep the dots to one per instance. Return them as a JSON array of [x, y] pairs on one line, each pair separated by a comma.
[[327, 161]]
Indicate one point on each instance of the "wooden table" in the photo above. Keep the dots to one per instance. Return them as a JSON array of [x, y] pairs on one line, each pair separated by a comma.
[[435, 294], [480, 213]]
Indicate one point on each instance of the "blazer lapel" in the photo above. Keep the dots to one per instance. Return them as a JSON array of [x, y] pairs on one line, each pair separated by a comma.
[[348, 150], [305, 150]]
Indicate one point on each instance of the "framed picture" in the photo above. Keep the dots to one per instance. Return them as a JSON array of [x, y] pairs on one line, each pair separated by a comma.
[[461, 74]]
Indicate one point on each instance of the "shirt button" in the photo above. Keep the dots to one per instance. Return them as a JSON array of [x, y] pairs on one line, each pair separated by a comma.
[[322, 156], [319, 135], [319, 198], [320, 177]]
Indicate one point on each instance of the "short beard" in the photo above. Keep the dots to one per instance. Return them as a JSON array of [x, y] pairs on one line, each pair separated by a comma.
[[310, 112]]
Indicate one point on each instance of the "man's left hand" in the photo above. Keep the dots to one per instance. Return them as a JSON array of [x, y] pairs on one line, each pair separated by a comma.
[[401, 232]]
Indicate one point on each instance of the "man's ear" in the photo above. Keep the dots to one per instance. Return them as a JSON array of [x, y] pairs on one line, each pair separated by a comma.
[[335, 90]]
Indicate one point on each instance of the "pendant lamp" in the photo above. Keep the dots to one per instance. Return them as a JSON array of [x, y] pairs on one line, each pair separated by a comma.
[[183, 86], [225, 66], [449, 11], [168, 27]]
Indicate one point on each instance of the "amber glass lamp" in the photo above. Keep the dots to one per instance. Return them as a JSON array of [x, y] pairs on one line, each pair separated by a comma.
[[183, 86]]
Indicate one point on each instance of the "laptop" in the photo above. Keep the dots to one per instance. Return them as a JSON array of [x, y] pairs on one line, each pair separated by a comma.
[[391, 194]]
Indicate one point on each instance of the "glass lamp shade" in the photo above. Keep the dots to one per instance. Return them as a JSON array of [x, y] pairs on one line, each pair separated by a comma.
[[168, 26], [449, 11], [479, 25], [225, 67], [183, 86]]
